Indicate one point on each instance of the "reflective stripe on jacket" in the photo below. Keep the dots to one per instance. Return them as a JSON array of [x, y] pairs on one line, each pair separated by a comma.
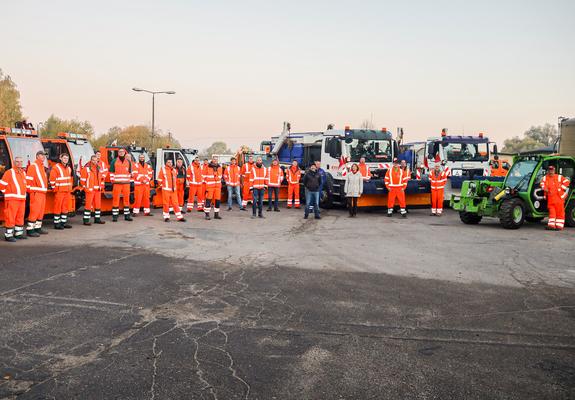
[[294, 176], [143, 174], [395, 178], [37, 178], [232, 175], [275, 176], [61, 178], [14, 184], [167, 178], [438, 181], [121, 171], [558, 185], [258, 177], [91, 178]]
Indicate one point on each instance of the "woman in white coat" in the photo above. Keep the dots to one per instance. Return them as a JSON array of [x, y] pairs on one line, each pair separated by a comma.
[[353, 189]]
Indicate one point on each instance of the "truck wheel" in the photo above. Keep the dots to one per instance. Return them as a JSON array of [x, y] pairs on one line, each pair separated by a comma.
[[512, 213], [469, 218], [570, 214]]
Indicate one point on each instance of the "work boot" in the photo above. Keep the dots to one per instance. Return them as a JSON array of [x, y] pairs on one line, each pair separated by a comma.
[[148, 214], [207, 217], [114, 218], [317, 217], [64, 222], [128, 217], [305, 217], [166, 220], [404, 215], [10, 239], [182, 220], [243, 209], [99, 221], [550, 228], [261, 216], [134, 215], [58, 226], [32, 233], [21, 237], [41, 230], [217, 216], [269, 209], [276, 209], [229, 208]]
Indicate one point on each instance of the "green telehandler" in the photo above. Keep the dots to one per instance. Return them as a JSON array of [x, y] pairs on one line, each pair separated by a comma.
[[519, 197]]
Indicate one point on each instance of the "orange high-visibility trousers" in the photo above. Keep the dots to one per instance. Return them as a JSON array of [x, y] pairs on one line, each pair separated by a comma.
[[37, 206], [293, 193], [437, 200], [181, 187], [61, 202], [141, 198], [395, 193], [246, 194], [14, 212], [93, 201], [556, 212], [214, 193], [196, 191], [170, 200], [121, 189]]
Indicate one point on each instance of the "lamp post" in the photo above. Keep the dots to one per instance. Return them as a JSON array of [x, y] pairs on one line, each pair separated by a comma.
[[153, 93]]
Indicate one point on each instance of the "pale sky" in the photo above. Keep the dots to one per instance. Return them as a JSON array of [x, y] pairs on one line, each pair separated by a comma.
[[241, 68]]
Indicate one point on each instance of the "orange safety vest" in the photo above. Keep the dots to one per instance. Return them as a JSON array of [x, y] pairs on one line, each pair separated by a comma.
[[121, 171], [14, 184], [143, 174], [232, 175], [247, 170], [258, 177], [167, 178], [213, 177], [61, 178], [91, 178], [194, 174], [558, 185], [37, 178], [275, 176], [438, 181], [103, 168], [364, 171], [395, 178], [294, 176]]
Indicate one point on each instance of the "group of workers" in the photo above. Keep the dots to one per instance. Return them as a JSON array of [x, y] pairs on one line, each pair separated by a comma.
[[204, 184]]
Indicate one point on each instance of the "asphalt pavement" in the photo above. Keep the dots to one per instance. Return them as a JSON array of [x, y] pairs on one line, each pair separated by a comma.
[[287, 308]]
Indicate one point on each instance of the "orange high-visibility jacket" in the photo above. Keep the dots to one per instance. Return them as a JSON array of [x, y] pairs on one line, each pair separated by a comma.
[[37, 178], [246, 171], [294, 175], [213, 177], [365, 172], [232, 175], [103, 169], [194, 174], [91, 178], [395, 178], [439, 180], [556, 185], [14, 184], [258, 177], [167, 178], [143, 174], [121, 171], [61, 178], [275, 176]]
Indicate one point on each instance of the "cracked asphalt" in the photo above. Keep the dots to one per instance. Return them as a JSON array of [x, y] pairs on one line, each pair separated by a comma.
[[282, 308]]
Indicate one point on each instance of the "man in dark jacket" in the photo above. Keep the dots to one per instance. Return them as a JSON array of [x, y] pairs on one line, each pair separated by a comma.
[[312, 183]]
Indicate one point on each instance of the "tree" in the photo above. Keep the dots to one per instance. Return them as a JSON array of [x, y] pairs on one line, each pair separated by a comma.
[[216, 148], [10, 109], [138, 135], [534, 138], [54, 125]]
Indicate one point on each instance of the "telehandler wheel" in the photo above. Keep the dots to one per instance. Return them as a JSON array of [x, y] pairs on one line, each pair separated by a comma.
[[570, 214], [469, 218], [512, 213]]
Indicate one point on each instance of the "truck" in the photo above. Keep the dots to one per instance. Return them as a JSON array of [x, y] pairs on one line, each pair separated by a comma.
[[467, 157], [337, 150], [519, 197], [25, 143]]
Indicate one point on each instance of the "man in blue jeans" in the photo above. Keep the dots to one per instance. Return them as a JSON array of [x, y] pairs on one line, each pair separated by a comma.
[[258, 185], [312, 183]]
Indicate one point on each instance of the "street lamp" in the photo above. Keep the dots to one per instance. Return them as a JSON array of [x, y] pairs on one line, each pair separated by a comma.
[[153, 93]]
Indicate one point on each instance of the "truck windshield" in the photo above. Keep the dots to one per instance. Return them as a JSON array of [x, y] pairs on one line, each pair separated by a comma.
[[81, 153], [372, 150], [520, 173], [466, 151], [25, 148]]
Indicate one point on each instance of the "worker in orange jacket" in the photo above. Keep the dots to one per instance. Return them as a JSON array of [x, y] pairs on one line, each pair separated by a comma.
[[101, 164], [258, 184], [246, 170], [62, 183], [143, 175], [497, 168], [275, 176], [438, 180], [92, 181], [293, 178], [121, 175], [364, 169], [37, 187], [213, 180], [181, 180], [14, 186], [195, 178], [395, 182], [168, 184], [555, 188], [232, 180]]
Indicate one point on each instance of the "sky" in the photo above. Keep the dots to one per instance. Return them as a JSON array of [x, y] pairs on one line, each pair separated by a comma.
[[241, 68]]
